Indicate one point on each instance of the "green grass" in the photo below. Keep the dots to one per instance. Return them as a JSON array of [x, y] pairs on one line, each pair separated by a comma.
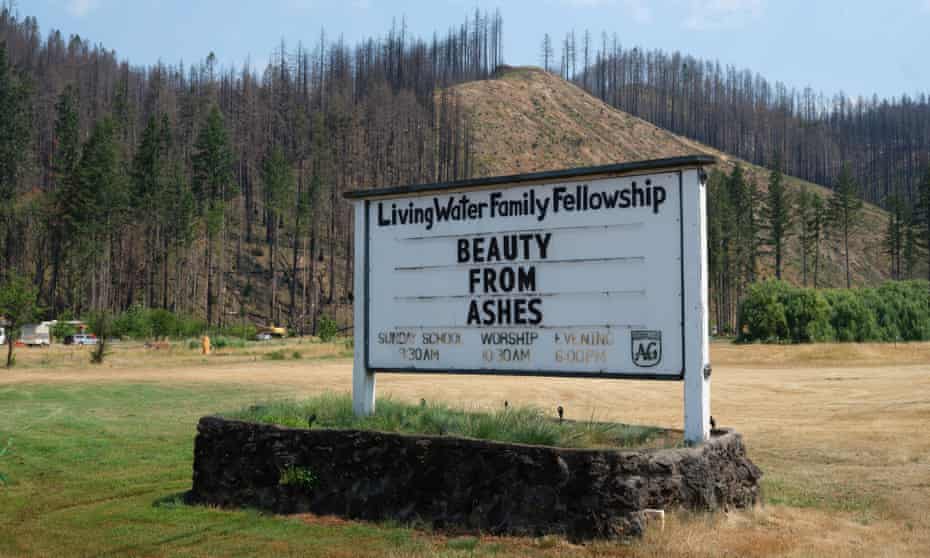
[[100, 470], [525, 425]]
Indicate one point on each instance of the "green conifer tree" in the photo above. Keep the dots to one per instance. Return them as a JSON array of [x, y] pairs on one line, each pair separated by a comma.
[[776, 215], [212, 181], [845, 209]]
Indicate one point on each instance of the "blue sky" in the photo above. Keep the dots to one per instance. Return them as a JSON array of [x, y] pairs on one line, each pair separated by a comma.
[[858, 47]]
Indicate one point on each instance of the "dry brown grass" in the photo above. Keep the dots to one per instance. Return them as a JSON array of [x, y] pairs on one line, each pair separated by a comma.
[[839, 430], [529, 120]]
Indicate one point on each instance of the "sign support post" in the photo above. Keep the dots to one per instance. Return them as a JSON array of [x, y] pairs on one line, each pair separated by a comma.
[[697, 345], [363, 378]]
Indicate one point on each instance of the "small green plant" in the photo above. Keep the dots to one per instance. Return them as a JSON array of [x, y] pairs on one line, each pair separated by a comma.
[[328, 328], [223, 342], [463, 543], [296, 355], [62, 329], [302, 477], [276, 355], [4, 451]]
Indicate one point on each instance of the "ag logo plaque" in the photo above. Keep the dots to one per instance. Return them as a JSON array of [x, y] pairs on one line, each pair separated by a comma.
[[646, 347]]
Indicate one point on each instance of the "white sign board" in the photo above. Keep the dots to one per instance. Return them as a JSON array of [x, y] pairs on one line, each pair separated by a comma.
[[583, 276], [595, 273]]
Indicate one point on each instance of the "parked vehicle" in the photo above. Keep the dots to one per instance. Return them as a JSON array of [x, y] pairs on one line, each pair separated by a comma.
[[263, 336], [81, 339], [36, 334], [2, 336]]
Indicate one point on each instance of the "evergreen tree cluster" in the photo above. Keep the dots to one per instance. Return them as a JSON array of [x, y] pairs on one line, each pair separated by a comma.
[[215, 191]]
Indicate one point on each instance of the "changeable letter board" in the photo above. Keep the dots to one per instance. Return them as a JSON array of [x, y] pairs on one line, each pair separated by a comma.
[[573, 277]]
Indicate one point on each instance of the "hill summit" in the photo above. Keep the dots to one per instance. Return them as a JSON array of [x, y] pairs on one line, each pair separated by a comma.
[[529, 120]]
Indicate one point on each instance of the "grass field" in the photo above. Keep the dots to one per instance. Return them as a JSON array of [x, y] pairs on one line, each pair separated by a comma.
[[100, 455]]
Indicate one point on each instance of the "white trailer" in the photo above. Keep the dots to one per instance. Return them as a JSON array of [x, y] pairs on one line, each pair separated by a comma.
[[37, 334]]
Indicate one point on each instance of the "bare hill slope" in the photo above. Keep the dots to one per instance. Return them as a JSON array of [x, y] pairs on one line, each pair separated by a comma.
[[529, 120]]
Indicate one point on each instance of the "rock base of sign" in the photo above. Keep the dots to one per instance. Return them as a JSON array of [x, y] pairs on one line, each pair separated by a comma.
[[468, 485]]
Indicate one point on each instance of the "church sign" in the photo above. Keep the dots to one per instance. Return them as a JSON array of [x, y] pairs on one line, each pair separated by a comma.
[[594, 272]]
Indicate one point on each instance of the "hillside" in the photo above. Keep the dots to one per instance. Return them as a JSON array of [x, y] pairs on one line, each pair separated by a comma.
[[529, 120]]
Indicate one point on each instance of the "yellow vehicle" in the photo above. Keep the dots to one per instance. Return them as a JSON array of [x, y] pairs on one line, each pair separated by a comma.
[[272, 331]]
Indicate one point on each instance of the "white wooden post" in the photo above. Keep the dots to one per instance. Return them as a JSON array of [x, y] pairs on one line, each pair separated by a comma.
[[697, 341], [363, 379]]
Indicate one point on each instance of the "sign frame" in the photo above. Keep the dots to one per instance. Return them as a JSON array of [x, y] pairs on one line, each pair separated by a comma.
[[695, 367]]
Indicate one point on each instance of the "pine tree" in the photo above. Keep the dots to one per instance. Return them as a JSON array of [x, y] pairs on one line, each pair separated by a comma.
[[14, 147], [894, 234], [776, 215], [922, 216], [212, 165], [719, 231], [910, 249], [809, 235], [845, 208], [67, 156], [100, 205], [278, 180]]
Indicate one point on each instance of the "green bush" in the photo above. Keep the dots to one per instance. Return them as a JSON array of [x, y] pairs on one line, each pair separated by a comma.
[[223, 342], [762, 313], [61, 330], [328, 328], [276, 355], [134, 323], [4, 451], [774, 311]]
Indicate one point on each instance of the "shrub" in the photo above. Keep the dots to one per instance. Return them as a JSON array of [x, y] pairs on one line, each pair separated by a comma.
[[163, 324], [134, 323], [762, 313], [61, 330], [4, 451], [328, 328], [276, 355], [808, 316], [223, 342], [775, 311]]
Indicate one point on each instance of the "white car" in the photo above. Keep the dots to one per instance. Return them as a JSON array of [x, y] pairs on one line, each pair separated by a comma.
[[81, 339]]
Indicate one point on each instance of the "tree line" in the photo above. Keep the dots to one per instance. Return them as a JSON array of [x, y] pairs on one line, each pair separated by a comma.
[[745, 223], [885, 142], [217, 191]]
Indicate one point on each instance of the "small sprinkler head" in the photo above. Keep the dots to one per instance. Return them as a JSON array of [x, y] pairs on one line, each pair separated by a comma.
[[506, 403], [423, 402], [561, 413]]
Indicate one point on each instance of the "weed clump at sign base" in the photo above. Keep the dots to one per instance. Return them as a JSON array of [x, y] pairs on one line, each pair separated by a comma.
[[522, 425]]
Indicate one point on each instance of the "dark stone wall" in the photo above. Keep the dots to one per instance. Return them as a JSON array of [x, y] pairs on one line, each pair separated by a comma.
[[463, 484]]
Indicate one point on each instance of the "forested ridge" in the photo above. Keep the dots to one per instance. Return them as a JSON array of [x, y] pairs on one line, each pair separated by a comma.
[[886, 142], [217, 191]]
